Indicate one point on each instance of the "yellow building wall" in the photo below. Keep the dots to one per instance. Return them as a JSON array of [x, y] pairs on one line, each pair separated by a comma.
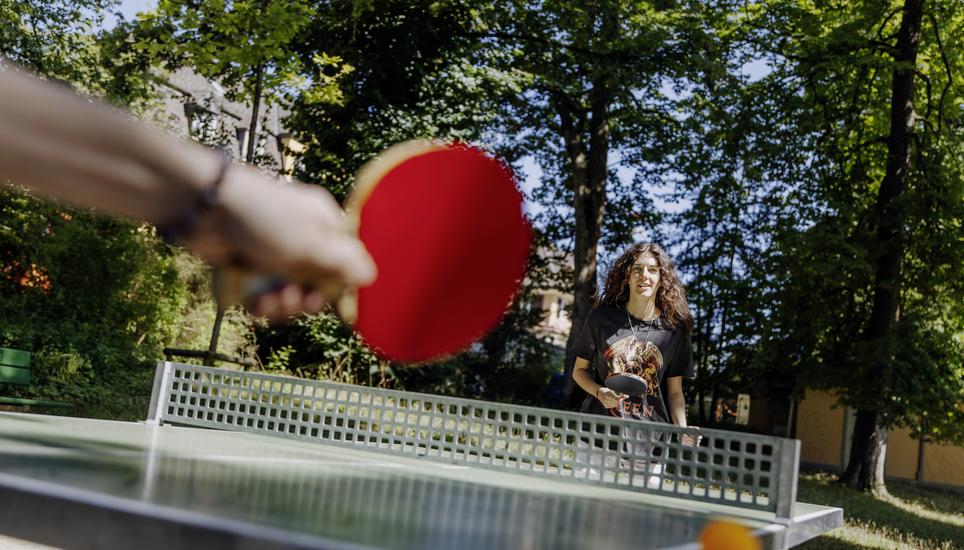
[[943, 464], [820, 431], [819, 428], [901, 458]]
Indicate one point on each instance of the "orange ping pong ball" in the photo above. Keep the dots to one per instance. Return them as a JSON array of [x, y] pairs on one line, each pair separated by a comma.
[[726, 535]]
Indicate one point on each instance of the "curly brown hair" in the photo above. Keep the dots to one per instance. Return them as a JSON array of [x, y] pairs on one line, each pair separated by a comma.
[[670, 298]]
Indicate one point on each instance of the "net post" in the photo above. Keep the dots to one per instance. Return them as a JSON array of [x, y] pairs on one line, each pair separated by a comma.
[[787, 484], [159, 393]]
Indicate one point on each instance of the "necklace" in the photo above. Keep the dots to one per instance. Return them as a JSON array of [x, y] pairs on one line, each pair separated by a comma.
[[632, 328]]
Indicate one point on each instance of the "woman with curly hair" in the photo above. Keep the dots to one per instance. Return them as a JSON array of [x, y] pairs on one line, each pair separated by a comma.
[[641, 327]]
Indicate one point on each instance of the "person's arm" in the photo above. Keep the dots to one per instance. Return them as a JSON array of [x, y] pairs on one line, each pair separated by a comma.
[[584, 378], [677, 407], [677, 401], [73, 149]]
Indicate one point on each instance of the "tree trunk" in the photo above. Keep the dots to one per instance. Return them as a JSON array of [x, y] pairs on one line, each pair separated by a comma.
[[588, 172], [715, 402], [249, 158], [590, 169], [865, 471], [921, 445], [215, 334], [698, 339], [255, 113]]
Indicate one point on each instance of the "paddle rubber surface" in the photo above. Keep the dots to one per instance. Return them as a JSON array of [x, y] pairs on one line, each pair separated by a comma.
[[629, 384], [447, 231]]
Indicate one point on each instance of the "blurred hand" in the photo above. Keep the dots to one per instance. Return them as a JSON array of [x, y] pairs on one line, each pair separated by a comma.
[[690, 440], [294, 234], [609, 398]]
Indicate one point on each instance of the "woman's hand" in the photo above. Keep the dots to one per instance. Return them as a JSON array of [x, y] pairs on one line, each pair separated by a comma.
[[609, 398], [690, 440]]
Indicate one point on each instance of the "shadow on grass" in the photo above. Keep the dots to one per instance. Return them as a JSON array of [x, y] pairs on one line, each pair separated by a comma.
[[888, 517], [828, 543]]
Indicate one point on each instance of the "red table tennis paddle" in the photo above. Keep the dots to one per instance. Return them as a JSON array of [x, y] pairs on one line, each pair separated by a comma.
[[446, 229], [445, 226]]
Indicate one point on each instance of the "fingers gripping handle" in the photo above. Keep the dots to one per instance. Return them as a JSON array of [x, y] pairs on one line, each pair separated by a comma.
[[238, 286]]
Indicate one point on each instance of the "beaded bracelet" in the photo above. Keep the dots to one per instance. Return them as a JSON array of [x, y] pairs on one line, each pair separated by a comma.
[[175, 231]]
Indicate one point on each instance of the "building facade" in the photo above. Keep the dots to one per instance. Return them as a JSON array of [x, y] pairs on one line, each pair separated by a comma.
[[198, 109]]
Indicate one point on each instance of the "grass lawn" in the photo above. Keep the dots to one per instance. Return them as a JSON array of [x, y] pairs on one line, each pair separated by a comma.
[[910, 518]]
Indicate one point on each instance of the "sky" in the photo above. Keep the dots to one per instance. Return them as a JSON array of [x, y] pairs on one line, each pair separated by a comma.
[[129, 8]]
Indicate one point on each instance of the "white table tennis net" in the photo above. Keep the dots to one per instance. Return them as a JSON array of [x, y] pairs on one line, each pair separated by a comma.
[[731, 468]]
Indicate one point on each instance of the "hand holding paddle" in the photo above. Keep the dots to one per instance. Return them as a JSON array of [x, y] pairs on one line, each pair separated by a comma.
[[609, 398], [445, 227], [275, 227]]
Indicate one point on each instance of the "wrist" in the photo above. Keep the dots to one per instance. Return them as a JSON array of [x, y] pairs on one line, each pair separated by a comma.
[[178, 173], [193, 199]]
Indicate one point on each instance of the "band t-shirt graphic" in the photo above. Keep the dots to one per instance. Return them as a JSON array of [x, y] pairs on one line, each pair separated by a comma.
[[652, 350]]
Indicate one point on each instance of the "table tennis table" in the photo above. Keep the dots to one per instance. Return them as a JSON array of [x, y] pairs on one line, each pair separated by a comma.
[[233, 459]]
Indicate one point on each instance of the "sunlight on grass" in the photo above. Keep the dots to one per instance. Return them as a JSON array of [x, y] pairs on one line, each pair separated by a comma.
[[910, 518], [871, 536], [857, 534], [929, 513]]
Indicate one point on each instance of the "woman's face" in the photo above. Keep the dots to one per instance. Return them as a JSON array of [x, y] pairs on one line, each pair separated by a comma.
[[644, 276]]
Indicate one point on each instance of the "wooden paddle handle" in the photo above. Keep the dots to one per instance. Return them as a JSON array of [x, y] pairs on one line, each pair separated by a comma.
[[238, 286]]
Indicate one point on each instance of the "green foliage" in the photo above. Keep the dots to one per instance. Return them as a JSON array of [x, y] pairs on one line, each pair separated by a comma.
[[844, 72], [321, 347], [70, 376], [412, 75], [775, 163], [764, 185], [198, 310], [228, 41], [511, 364], [95, 298], [246, 46], [280, 359], [926, 382], [575, 80], [56, 40], [402, 71], [53, 37], [523, 380]]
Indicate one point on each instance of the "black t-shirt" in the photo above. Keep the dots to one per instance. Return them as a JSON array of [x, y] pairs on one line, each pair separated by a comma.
[[613, 341]]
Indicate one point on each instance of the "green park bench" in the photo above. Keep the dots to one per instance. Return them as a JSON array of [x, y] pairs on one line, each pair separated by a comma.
[[15, 370]]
